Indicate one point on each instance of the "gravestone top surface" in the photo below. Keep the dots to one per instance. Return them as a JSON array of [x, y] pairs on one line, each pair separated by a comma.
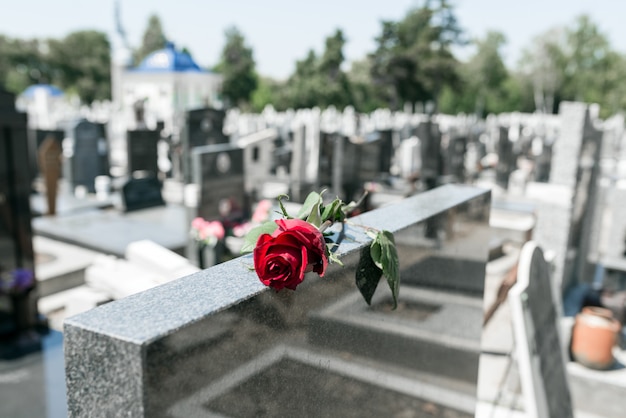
[[540, 354], [110, 231]]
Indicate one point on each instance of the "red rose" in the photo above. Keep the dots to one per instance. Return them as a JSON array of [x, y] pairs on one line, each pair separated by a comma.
[[281, 259]]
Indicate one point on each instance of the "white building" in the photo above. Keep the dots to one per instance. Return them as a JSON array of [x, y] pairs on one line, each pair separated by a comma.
[[166, 84]]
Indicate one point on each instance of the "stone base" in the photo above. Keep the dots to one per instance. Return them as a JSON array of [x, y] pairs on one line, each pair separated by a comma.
[[431, 331], [289, 381], [59, 266]]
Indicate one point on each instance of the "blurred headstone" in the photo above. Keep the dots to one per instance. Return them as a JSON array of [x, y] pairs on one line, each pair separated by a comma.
[[49, 157], [142, 150], [540, 353], [218, 171], [90, 154]]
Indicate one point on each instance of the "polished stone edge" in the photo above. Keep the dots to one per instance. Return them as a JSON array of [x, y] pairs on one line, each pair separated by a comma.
[[155, 313]]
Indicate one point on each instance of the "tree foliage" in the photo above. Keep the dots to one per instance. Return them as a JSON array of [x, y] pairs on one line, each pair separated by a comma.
[[413, 60], [153, 39], [237, 66], [82, 63]]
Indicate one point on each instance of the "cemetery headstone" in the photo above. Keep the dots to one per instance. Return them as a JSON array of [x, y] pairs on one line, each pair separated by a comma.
[[432, 161], [202, 127], [141, 146], [506, 158], [18, 307], [218, 170], [540, 354], [90, 154], [36, 137], [142, 193], [49, 157], [455, 157]]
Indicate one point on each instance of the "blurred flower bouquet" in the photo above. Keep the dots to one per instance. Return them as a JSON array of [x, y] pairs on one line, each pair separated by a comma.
[[207, 233], [286, 249], [16, 282]]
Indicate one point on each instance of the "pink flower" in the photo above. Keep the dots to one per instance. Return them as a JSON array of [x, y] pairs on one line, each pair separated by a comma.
[[262, 211]]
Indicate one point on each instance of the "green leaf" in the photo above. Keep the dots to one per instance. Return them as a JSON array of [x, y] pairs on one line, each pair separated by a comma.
[[385, 256], [282, 207], [254, 234], [311, 200], [314, 217], [334, 211], [367, 275]]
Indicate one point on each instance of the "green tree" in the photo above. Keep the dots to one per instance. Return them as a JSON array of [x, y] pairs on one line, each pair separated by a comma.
[[24, 62], [364, 98], [543, 66], [238, 69], [320, 81], [153, 39], [485, 73], [83, 62], [413, 59], [335, 84]]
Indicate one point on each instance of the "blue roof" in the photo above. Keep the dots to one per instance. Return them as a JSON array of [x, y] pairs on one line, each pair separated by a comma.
[[168, 59], [51, 90]]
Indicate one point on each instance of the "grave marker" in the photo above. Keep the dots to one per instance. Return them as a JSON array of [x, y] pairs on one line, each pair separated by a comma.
[[540, 354], [218, 170], [16, 248], [36, 137], [141, 147], [49, 158], [90, 154], [202, 127]]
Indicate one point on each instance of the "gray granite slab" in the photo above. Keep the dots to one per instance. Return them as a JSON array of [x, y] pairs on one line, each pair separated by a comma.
[[110, 231]]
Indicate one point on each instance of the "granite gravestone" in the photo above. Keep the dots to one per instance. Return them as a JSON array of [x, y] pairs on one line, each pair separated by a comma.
[[49, 158], [432, 161], [540, 354], [202, 127], [142, 193], [218, 170], [36, 137], [506, 158], [16, 248], [90, 154], [141, 148], [455, 158]]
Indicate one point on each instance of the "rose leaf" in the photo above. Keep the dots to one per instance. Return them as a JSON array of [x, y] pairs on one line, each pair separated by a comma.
[[311, 200], [367, 275], [315, 217], [389, 262], [333, 211], [282, 207], [252, 237]]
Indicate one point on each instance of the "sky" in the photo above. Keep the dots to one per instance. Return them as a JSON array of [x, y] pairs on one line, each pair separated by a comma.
[[280, 32]]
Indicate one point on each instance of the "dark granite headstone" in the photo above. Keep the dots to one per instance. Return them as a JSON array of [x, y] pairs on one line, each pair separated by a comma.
[[90, 154], [18, 313], [218, 170], [202, 127], [540, 355], [141, 147], [432, 161], [506, 158], [455, 157], [142, 193]]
